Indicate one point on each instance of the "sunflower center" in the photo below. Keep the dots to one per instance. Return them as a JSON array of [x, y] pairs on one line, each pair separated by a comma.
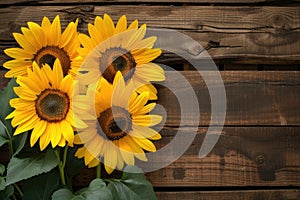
[[48, 54], [117, 59], [115, 122], [52, 105]]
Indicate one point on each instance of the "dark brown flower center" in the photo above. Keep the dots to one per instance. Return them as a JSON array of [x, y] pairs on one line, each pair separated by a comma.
[[117, 59], [115, 122], [48, 54], [52, 105]]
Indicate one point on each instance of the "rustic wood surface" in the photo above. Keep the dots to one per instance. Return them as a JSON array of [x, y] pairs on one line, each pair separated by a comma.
[[254, 98], [232, 195], [237, 34], [32, 2]]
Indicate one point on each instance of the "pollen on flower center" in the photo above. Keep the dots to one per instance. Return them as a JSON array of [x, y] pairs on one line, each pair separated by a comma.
[[48, 54], [117, 59], [115, 122], [52, 105]]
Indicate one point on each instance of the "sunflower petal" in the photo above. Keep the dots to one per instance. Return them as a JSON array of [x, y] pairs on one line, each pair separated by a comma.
[[37, 132], [56, 31]]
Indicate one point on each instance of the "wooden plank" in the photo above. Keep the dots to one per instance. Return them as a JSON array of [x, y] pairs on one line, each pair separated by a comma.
[[12, 2], [254, 98], [236, 34], [243, 156], [291, 194]]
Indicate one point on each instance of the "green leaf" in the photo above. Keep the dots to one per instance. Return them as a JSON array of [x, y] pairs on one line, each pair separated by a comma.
[[41, 187], [3, 134], [121, 192], [96, 190], [5, 96], [62, 194], [2, 169], [5, 194], [2, 179], [133, 185], [23, 168], [18, 142]]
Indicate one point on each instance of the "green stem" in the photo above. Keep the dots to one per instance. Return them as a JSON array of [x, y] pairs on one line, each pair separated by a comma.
[[60, 167], [10, 148], [98, 170], [19, 190], [65, 156], [14, 197]]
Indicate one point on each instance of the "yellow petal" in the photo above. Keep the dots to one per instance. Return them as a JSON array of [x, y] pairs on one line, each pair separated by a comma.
[[144, 44], [37, 132], [146, 120], [95, 34], [145, 55], [80, 152], [45, 138], [26, 126], [55, 134], [133, 25], [121, 25], [67, 34], [136, 37], [139, 102], [93, 163], [18, 53], [67, 131], [145, 144], [38, 33], [109, 24], [56, 31], [110, 156], [144, 132], [146, 109], [25, 44]]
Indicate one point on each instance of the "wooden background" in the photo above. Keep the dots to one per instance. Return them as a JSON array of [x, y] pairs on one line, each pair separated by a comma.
[[256, 46]]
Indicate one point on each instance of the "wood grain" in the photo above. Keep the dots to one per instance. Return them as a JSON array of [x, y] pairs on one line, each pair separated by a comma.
[[32, 2], [243, 156], [254, 98], [232, 195], [235, 34]]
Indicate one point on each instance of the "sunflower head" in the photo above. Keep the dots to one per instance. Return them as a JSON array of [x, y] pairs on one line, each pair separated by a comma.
[[44, 44], [121, 129], [111, 48], [44, 105]]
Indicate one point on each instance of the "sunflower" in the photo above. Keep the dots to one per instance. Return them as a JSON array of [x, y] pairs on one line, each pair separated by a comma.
[[43, 45], [110, 48], [45, 104], [121, 129]]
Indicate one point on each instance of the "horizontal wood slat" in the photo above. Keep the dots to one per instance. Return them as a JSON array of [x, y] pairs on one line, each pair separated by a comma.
[[32, 2], [254, 98], [243, 156], [232, 195], [237, 34]]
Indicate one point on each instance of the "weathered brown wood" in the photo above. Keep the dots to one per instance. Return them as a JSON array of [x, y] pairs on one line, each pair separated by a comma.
[[232, 195], [236, 34], [12, 2], [244, 156], [253, 98]]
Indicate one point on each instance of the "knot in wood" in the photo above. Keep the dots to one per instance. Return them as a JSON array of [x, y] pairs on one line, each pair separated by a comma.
[[260, 159]]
